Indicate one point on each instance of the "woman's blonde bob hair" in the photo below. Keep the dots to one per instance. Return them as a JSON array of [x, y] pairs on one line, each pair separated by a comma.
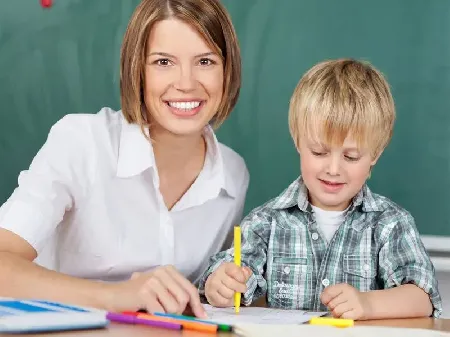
[[210, 19], [340, 98]]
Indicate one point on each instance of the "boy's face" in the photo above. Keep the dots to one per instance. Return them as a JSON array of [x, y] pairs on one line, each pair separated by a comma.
[[335, 175]]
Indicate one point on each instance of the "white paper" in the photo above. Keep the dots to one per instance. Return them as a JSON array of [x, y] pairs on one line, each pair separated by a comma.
[[257, 315], [254, 330]]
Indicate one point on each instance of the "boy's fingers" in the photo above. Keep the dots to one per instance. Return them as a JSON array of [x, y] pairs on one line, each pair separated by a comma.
[[351, 314], [341, 309], [247, 272], [235, 272], [218, 300], [330, 292], [234, 285], [225, 292], [339, 299]]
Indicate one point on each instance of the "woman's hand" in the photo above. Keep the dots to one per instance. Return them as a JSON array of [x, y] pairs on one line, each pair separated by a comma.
[[163, 289]]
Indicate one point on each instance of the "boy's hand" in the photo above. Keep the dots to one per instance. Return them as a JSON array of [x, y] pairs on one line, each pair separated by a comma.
[[224, 282], [345, 301]]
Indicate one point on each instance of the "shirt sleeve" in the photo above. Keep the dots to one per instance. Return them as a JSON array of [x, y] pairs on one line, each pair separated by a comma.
[[240, 204], [255, 229], [49, 187], [241, 198], [403, 259]]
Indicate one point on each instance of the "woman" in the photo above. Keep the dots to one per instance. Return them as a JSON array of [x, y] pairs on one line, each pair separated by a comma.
[[145, 192]]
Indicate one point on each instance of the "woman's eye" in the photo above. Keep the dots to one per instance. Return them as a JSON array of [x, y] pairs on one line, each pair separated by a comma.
[[206, 62], [163, 62]]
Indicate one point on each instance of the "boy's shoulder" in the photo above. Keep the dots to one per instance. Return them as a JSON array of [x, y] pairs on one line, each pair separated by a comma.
[[383, 205], [288, 198], [383, 210], [385, 215]]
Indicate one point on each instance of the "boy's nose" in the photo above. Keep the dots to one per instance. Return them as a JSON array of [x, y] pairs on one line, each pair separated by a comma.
[[333, 166]]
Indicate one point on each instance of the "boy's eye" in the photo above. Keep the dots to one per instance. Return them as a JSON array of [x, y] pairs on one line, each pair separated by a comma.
[[206, 62], [318, 153], [350, 158]]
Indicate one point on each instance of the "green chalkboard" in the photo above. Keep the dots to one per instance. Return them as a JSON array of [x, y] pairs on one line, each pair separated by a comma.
[[65, 60]]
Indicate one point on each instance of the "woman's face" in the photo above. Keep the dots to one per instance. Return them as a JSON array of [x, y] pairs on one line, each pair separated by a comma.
[[183, 79]]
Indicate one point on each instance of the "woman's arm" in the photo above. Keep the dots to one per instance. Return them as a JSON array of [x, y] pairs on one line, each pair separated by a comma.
[[163, 289], [20, 277]]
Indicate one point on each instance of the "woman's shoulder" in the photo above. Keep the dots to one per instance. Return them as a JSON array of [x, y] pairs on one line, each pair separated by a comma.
[[98, 130], [232, 160], [106, 120], [235, 168], [85, 136]]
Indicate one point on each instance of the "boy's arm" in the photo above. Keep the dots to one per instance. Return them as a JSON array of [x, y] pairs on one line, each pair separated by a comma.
[[255, 229], [408, 275], [404, 301]]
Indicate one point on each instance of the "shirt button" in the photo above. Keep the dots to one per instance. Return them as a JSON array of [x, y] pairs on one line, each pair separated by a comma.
[[366, 267], [315, 236], [287, 270], [326, 282]]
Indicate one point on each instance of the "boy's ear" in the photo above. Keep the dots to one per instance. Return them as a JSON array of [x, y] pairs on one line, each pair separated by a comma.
[[374, 161]]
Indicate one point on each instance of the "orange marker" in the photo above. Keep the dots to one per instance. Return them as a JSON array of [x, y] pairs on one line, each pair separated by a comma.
[[188, 325]]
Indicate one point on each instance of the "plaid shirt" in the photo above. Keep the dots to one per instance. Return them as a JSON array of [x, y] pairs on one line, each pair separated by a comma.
[[376, 247]]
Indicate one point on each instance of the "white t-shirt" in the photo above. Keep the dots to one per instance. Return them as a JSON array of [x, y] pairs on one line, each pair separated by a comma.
[[328, 221], [91, 207]]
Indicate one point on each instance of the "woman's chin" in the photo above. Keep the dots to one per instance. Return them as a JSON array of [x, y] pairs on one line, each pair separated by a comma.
[[185, 127]]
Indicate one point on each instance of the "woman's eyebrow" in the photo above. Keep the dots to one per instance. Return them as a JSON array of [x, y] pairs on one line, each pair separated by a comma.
[[158, 53]]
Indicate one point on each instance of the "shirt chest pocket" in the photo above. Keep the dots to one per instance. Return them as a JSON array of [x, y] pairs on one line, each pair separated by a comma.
[[360, 271], [289, 280]]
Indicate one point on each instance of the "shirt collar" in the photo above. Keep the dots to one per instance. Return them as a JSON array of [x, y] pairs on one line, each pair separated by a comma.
[[215, 165], [366, 199], [297, 195], [135, 155]]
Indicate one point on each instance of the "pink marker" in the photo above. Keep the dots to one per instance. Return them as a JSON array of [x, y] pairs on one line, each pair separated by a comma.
[[129, 319]]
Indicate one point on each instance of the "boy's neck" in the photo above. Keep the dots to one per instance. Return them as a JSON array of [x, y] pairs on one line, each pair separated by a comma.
[[334, 208], [340, 211]]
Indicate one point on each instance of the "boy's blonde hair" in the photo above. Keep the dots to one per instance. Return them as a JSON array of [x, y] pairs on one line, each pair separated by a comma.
[[343, 97], [210, 19]]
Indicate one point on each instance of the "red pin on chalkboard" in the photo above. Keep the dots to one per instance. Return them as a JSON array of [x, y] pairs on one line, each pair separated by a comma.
[[46, 3]]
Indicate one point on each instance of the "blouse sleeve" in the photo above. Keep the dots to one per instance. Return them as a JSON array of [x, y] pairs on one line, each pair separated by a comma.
[[47, 189]]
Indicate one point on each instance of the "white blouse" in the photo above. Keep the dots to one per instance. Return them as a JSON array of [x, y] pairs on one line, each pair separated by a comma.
[[91, 207]]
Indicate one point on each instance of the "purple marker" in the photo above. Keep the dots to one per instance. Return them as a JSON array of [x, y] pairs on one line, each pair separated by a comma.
[[121, 318]]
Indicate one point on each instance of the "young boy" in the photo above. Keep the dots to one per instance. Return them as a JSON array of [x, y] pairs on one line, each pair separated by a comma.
[[327, 242]]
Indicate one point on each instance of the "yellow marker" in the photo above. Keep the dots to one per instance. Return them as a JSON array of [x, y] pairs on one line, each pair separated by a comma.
[[337, 322], [237, 260]]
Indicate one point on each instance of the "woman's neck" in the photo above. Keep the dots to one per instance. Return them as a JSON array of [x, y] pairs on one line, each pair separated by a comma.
[[174, 152]]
